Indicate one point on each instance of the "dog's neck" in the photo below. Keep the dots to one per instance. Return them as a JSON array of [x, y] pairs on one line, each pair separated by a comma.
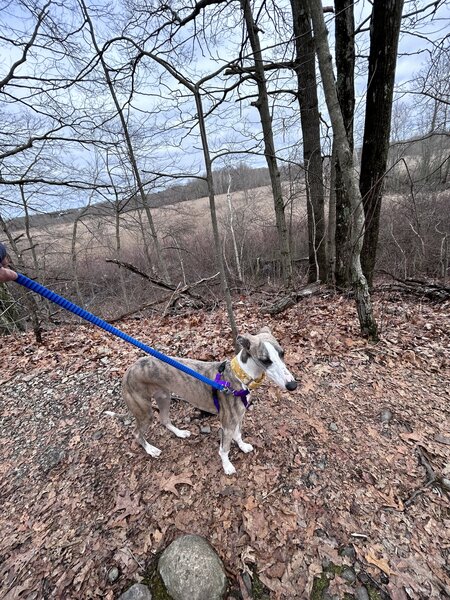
[[248, 372]]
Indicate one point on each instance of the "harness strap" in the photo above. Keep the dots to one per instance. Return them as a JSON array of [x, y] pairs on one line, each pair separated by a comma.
[[242, 394]]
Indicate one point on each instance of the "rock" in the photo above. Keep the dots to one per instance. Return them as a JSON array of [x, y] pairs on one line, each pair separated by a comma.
[[445, 483], [113, 574], [312, 479], [363, 577], [349, 575], [51, 458], [361, 593], [138, 591], [384, 578], [348, 551], [97, 435], [247, 581], [386, 416], [190, 569], [205, 429], [332, 427]]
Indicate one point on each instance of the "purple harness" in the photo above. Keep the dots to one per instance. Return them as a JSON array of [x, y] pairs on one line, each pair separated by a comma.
[[242, 394]]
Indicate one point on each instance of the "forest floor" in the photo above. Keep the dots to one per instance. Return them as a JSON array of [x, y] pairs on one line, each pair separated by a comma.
[[346, 486]]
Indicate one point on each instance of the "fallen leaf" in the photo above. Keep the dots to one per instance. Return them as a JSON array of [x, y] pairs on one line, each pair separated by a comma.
[[381, 563], [169, 485]]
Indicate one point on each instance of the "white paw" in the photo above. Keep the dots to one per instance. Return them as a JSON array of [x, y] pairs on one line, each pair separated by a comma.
[[152, 450], [183, 433], [245, 447], [229, 469]]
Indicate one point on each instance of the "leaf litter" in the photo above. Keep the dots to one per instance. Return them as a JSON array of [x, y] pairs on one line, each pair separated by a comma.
[[337, 464]]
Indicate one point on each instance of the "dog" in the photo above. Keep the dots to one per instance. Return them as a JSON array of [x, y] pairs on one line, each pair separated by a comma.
[[149, 378]]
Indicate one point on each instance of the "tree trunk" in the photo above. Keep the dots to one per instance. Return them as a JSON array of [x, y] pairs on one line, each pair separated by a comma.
[[345, 69], [212, 206], [312, 154], [233, 233], [384, 34], [331, 229], [262, 104], [345, 157]]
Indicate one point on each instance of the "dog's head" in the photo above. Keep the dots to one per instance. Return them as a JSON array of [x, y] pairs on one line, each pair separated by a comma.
[[264, 350]]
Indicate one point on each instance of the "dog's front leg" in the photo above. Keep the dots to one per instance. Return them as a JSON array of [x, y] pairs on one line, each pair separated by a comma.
[[239, 441], [226, 436]]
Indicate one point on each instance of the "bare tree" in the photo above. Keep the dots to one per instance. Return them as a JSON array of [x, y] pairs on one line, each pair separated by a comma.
[[305, 68], [195, 89], [384, 35], [345, 156], [345, 70], [262, 105], [131, 154]]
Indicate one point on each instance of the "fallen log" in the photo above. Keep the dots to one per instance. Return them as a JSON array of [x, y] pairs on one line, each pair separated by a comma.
[[416, 287], [312, 289]]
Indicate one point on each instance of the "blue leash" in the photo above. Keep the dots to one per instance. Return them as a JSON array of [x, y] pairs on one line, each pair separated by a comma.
[[87, 316]]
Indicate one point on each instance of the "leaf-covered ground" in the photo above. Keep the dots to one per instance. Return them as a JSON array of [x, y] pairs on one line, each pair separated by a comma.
[[345, 462]]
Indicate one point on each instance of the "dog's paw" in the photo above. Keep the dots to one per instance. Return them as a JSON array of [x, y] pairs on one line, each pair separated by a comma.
[[183, 433], [229, 469], [245, 447], [152, 450]]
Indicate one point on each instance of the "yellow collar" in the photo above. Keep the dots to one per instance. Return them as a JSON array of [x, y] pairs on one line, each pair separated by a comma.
[[243, 377]]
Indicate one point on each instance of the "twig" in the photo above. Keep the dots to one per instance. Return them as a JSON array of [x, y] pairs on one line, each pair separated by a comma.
[[274, 491], [137, 561], [433, 479]]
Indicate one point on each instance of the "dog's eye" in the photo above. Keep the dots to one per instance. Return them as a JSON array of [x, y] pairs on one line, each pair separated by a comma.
[[266, 361]]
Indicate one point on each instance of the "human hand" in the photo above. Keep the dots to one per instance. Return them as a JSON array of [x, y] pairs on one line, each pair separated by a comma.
[[7, 275]]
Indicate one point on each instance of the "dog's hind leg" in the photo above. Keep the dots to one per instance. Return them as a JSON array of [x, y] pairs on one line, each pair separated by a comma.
[[141, 409], [162, 398]]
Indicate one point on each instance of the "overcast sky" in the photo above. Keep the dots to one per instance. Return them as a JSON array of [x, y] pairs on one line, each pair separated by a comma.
[[176, 149]]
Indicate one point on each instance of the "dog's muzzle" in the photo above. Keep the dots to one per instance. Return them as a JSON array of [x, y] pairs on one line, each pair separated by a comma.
[[291, 386]]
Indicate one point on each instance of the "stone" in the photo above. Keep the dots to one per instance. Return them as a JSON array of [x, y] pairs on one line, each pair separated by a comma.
[[349, 575], [348, 551], [51, 458], [205, 429], [138, 591], [361, 593], [333, 427], [190, 569], [247, 581], [385, 416], [113, 574]]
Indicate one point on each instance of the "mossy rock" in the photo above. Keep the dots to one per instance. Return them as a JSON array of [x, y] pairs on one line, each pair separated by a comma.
[[320, 585], [259, 590], [152, 579]]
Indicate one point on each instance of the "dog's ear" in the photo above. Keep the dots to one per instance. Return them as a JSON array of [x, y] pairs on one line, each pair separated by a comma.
[[243, 342], [265, 330]]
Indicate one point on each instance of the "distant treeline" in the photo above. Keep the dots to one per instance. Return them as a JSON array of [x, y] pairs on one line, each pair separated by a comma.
[[237, 178]]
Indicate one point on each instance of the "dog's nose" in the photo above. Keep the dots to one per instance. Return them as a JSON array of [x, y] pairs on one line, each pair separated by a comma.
[[291, 385]]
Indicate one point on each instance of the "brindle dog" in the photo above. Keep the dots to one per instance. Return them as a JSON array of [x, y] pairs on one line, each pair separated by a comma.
[[149, 378]]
